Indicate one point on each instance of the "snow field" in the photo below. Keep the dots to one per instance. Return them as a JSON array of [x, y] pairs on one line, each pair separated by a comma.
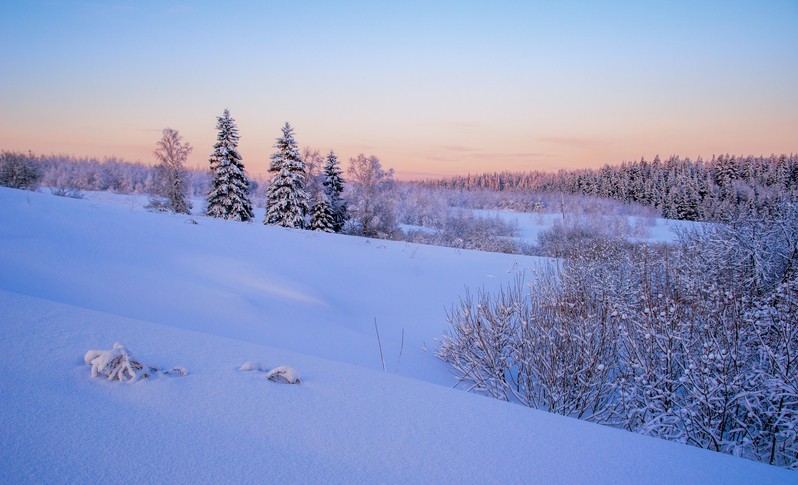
[[81, 274]]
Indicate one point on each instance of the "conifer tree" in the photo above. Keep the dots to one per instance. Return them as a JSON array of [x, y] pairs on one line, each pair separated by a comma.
[[321, 218], [286, 199], [229, 195], [333, 188]]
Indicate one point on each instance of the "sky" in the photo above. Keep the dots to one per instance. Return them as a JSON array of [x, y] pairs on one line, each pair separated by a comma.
[[430, 88]]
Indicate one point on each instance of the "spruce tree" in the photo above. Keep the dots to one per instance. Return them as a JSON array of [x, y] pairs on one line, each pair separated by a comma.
[[321, 218], [333, 188], [286, 199], [229, 195]]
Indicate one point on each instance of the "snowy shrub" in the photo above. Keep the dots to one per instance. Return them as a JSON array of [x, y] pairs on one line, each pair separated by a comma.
[[283, 375], [773, 414], [19, 171], [576, 232], [463, 230], [119, 363], [157, 204], [66, 192], [676, 341]]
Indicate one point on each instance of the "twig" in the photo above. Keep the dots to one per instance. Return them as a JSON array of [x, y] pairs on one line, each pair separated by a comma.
[[400, 350], [379, 342]]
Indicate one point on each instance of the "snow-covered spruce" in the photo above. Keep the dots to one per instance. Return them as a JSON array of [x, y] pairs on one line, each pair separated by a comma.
[[334, 188], [229, 194], [322, 217], [286, 198], [283, 375], [119, 363]]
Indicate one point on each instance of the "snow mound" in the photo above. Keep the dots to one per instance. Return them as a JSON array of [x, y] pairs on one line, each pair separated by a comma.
[[283, 375], [117, 363], [250, 366]]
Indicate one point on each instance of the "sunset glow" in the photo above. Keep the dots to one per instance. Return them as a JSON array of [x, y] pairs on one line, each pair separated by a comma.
[[431, 88]]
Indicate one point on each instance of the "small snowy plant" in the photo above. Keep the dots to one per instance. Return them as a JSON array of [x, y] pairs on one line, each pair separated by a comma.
[[119, 363], [283, 375]]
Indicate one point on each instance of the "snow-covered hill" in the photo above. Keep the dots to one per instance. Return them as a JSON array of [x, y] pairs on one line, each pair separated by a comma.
[[82, 274]]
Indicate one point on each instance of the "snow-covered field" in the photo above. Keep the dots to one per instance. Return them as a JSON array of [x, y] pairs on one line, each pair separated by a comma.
[[643, 229], [82, 274]]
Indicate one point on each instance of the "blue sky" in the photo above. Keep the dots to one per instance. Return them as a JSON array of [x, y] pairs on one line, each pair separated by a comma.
[[430, 88]]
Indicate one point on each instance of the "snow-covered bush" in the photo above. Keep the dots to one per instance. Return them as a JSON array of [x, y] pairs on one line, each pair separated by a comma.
[[157, 204], [772, 426], [19, 171], [670, 341], [67, 192], [575, 232], [463, 230], [117, 363]]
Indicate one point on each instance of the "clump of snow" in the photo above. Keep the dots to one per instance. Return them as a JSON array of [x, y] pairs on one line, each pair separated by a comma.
[[177, 370], [250, 366], [117, 363], [283, 375]]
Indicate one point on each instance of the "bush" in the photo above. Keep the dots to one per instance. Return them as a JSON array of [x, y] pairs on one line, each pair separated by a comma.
[[463, 230], [118, 363], [19, 171], [66, 192], [695, 343]]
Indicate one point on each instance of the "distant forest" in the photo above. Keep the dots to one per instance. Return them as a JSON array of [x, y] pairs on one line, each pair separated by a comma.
[[719, 189]]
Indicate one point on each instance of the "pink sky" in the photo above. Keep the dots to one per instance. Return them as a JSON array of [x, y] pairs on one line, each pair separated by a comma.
[[431, 89]]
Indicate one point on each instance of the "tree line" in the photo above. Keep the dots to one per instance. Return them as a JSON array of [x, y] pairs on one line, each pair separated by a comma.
[[305, 190], [714, 190]]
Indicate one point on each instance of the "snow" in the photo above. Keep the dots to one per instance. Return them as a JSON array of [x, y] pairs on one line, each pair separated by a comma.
[[250, 366], [284, 374], [81, 274], [642, 229]]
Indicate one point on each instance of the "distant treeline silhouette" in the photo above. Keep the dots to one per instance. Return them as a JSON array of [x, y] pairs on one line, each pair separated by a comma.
[[723, 187]]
